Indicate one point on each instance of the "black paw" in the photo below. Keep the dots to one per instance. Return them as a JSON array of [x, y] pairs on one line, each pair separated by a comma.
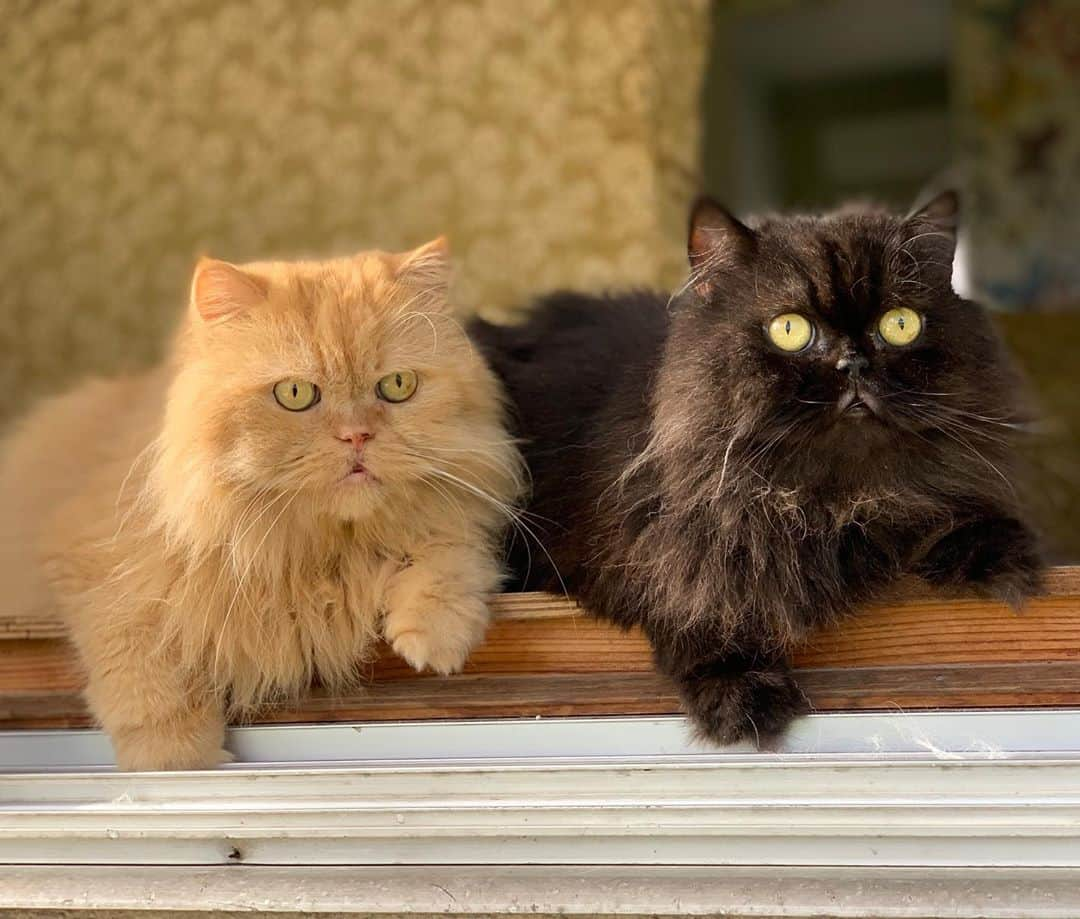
[[730, 704], [1000, 558]]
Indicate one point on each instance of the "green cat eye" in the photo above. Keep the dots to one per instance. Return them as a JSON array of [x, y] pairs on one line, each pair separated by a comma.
[[900, 327], [791, 332], [397, 386], [296, 395]]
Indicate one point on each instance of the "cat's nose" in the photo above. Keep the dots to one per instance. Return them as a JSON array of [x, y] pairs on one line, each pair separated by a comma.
[[356, 436], [852, 364]]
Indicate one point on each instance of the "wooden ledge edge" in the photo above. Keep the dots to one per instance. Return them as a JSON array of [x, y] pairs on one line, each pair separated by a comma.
[[1062, 581]]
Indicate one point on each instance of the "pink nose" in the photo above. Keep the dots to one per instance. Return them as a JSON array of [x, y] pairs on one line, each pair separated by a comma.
[[357, 437]]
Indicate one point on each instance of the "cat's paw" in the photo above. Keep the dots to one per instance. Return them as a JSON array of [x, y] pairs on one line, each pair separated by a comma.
[[163, 749], [1016, 584], [432, 618], [728, 707], [439, 637], [999, 558], [425, 651]]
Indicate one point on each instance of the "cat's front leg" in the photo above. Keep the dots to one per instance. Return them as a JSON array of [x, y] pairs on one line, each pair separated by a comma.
[[192, 736], [436, 609], [738, 697], [155, 718], [996, 554]]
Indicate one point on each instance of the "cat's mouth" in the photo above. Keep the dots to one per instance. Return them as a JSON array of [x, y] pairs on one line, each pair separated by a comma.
[[856, 403], [359, 473]]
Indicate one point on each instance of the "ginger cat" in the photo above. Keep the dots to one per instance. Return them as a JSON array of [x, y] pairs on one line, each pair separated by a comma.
[[322, 459]]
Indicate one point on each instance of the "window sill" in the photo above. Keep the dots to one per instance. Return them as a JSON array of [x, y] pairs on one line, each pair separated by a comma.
[[541, 657]]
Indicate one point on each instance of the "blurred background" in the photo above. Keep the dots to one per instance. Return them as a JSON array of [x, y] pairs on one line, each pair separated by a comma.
[[557, 142]]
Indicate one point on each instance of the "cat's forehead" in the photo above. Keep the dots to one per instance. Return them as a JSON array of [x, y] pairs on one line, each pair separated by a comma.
[[363, 283], [345, 317], [843, 270]]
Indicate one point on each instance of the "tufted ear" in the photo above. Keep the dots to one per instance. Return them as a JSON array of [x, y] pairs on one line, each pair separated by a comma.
[[943, 208], [427, 266], [220, 290], [936, 219], [717, 240]]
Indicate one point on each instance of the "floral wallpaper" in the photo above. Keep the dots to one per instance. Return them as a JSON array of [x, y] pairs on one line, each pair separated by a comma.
[[1017, 80], [555, 141]]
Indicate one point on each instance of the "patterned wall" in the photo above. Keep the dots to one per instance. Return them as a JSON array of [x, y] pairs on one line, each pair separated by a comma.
[[555, 140]]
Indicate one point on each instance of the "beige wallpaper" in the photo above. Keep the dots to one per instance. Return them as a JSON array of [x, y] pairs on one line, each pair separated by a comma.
[[554, 140]]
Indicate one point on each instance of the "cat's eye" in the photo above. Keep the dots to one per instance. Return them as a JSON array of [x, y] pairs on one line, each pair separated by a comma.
[[397, 386], [296, 395], [791, 332], [900, 327]]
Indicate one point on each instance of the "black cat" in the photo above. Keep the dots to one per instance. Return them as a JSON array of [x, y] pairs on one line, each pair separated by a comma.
[[813, 415]]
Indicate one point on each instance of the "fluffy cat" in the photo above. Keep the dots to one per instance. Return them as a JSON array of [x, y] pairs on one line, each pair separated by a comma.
[[815, 414], [323, 459]]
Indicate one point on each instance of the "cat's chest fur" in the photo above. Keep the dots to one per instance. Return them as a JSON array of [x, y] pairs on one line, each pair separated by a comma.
[[256, 622], [764, 562], [318, 618]]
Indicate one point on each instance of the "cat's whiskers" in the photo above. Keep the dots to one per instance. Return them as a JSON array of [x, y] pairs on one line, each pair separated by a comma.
[[724, 465], [427, 318], [235, 540], [704, 268], [427, 479], [515, 516], [435, 291], [223, 628], [939, 233], [448, 495], [231, 545], [1000, 421], [942, 415], [514, 472], [948, 427], [916, 392], [430, 318], [137, 502]]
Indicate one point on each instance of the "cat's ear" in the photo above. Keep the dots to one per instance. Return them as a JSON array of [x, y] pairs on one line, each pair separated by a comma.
[[220, 290], [717, 240], [943, 208], [427, 266], [936, 218]]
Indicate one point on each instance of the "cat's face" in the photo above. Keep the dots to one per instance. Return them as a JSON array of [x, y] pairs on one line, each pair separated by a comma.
[[339, 384], [827, 344]]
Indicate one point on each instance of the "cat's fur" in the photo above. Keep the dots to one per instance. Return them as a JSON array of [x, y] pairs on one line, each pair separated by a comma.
[[693, 479], [211, 551]]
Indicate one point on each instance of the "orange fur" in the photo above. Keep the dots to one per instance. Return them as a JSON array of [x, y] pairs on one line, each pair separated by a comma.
[[208, 547]]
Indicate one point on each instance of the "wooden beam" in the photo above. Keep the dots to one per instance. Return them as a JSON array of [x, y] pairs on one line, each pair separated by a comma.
[[543, 657]]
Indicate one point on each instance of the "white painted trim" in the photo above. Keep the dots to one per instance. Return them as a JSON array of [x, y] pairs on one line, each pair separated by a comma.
[[587, 890], [966, 812], [947, 790]]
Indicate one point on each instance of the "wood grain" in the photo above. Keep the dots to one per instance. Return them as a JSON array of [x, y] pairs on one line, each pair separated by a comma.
[[1061, 582], [544, 657]]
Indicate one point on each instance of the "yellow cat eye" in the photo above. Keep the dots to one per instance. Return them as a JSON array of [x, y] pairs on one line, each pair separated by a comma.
[[791, 332], [900, 327], [397, 386], [296, 395]]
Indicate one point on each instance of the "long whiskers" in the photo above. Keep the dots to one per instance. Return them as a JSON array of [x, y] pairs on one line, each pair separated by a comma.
[[243, 577], [517, 518]]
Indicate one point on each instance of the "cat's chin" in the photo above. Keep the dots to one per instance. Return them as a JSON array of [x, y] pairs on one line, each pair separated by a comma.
[[356, 496], [359, 477], [854, 435]]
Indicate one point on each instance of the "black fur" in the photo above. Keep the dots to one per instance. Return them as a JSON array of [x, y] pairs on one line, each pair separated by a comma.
[[692, 479]]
